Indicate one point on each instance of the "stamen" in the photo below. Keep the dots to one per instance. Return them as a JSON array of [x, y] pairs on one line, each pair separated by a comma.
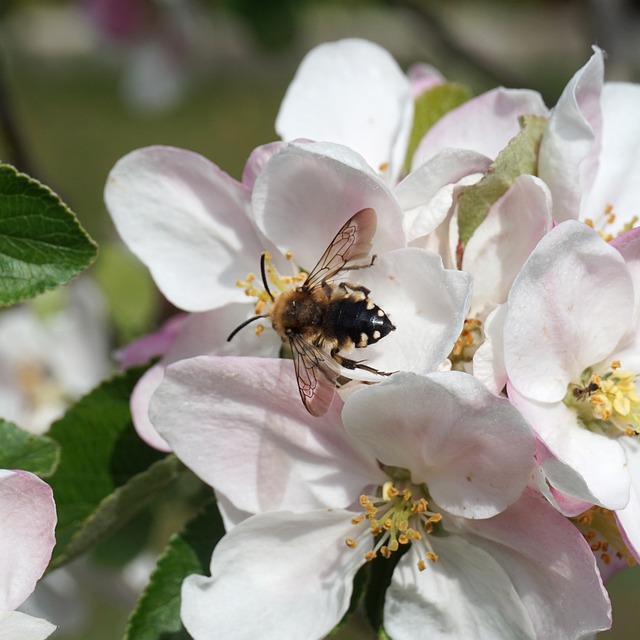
[[467, 344], [606, 219], [600, 530], [608, 403], [395, 520]]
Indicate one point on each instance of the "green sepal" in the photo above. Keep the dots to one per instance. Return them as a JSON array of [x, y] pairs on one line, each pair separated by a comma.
[[42, 244], [429, 107], [519, 157]]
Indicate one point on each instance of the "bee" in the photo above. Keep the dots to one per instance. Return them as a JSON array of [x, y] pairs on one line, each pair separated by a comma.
[[322, 317]]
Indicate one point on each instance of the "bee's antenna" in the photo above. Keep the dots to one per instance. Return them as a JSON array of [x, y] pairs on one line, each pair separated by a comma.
[[243, 325], [263, 271]]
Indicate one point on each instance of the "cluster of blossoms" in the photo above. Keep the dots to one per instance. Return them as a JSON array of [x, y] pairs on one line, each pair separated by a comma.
[[497, 468]]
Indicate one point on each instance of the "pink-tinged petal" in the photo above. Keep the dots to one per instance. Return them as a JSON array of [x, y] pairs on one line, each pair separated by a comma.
[[420, 193], [629, 517], [276, 574], [568, 158], [354, 93], [484, 124], [27, 524], [188, 221], [15, 625], [422, 77], [426, 303], [152, 345], [239, 424], [257, 160], [488, 360], [472, 449], [309, 190], [628, 244], [550, 565], [585, 465], [465, 594], [198, 334], [568, 309], [615, 184], [502, 243]]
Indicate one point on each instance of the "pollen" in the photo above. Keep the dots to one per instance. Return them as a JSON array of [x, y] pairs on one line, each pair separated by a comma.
[[600, 530], [604, 220], [396, 519], [607, 403], [467, 344]]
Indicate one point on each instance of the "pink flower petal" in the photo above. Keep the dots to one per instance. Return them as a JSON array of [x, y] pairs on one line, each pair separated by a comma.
[[570, 147], [187, 221], [351, 92], [28, 517], [309, 190], [472, 449], [484, 124], [239, 423], [277, 574], [560, 318]]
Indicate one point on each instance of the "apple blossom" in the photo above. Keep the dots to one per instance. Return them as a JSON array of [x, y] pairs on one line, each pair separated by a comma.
[[214, 229], [566, 346], [319, 500], [28, 517]]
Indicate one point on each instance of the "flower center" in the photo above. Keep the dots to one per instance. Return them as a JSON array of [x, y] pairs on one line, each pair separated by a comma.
[[600, 530], [398, 518], [603, 222], [607, 403], [467, 344]]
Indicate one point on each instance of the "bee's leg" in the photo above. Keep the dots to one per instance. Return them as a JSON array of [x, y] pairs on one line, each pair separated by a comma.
[[347, 363], [355, 267]]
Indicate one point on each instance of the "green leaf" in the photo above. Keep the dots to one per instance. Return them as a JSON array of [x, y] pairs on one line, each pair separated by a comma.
[[157, 615], [22, 450], [429, 107], [519, 157], [42, 245], [106, 472]]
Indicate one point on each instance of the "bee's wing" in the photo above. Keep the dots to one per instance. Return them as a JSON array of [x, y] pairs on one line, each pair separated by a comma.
[[316, 374], [352, 242]]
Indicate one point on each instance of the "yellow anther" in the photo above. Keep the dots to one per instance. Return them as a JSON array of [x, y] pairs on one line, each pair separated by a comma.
[[350, 542]]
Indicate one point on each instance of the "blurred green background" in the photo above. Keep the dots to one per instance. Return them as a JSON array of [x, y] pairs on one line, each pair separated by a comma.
[[77, 92]]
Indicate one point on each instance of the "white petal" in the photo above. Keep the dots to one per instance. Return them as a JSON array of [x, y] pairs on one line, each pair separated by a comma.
[[505, 239], [240, 425], [550, 565], [586, 465], [488, 360], [629, 517], [354, 93], [28, 519], [257, 161], [466, 594], [197, 334], [15, 625], [568, 309], [484, 124], [571, 143], [418, 194], [278, 575], [472, 449], [615, 183], [308, 191], [187, 221], [426, 303]]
